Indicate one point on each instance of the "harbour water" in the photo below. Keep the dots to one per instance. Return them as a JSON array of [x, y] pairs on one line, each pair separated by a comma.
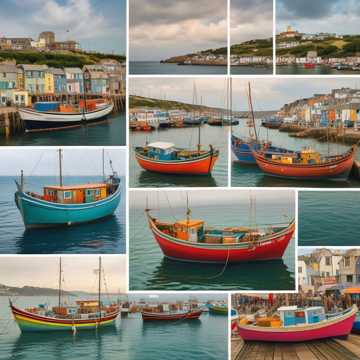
[[181, 137], [111, 132], [251, 175], [106, 236], [157, 68], [317, 70], [329, 218], [251, 70], [150, 270], [131, 339]]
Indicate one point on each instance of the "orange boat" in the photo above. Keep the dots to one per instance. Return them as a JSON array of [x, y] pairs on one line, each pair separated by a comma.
[[307, 165], [163, 157]]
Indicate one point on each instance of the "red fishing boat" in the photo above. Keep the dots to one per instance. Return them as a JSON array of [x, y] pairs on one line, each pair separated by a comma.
[[171, 316], [298, 324], [307, 165], [163, 157], [191, 240], [309, 65]]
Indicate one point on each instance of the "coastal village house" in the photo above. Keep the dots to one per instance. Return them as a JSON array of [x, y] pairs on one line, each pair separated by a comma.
[[350, 267], [96, 80], [49, 82], [8, 82], [34, 78], [59, 79], [74, 80]]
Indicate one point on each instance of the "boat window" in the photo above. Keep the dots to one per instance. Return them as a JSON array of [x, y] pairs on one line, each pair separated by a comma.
[[67, 195], [97, 192]]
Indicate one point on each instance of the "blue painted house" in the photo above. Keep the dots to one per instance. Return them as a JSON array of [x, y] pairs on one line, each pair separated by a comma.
[[34, 78], [96, 80], [59, 81]]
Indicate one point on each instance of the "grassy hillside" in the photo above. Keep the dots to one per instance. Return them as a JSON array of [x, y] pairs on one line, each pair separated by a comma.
[[259, 47], [57, 59], [330, 47]]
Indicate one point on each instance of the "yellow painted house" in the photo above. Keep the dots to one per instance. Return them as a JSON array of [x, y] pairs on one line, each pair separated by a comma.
[[49, 83]]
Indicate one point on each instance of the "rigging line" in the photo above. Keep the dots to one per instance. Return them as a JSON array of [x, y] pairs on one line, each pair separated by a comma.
[[171, 209], [37, 163]]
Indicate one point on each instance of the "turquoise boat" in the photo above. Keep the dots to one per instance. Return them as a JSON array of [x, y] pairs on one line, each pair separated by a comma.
[[66, 205]]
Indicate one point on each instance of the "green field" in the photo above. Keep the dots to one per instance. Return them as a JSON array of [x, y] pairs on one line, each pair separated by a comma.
[[259, 47], [57, 59], [330, 47]]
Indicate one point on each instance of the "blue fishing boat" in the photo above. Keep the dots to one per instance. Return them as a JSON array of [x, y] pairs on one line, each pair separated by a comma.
[[68, 204]]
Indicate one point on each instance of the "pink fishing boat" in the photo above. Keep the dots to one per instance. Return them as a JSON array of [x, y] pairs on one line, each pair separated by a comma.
[[299, 324]]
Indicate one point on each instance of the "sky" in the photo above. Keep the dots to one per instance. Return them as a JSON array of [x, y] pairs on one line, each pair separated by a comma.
[[339, 16], [163, 28], [98, 25], [268, 94], [78, 272], [199, 197], [76, 162], [251, 19]]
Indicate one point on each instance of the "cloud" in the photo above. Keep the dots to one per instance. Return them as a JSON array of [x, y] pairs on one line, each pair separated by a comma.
[[251, 19], [164, 28]]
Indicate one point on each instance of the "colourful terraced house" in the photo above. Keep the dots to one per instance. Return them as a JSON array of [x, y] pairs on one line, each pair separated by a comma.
[[74, 80], [34, 78], [96, 79], [59, 79]]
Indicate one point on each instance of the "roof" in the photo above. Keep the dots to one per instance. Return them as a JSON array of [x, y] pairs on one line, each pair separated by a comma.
[[6, 68], [190, 223], [75, 187], [34, 67], [73, 70], [57, 71], [161, 145]]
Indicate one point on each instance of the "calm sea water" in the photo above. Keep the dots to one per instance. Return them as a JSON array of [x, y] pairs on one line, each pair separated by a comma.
[[131, 339], [318, 70], [150, 270], [329, 218], [251, 70], [251, 175], [111, 132], [105, 236], [155, 67], [183, 137]]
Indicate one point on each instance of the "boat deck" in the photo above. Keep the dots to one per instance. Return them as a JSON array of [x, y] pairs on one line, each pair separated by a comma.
[[329, 349]]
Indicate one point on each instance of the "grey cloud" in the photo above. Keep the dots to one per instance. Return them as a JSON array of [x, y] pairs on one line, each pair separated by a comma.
[[172, 11]]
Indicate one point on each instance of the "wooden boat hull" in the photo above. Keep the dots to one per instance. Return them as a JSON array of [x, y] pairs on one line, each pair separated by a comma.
[[37, 121], [218, 310], [201, 165], [336, 327], [270, 248], [37, 213], [29, 322], [337, 170], [190, 315]]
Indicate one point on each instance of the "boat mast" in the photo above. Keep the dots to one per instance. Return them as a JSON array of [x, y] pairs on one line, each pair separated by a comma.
[[103, 164], [230, 101], [60, 273], [60, 167], [252, 111], [188, 210], [99, 290], [22, 180]]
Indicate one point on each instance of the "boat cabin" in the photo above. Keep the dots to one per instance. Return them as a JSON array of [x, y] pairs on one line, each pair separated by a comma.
[[292, 315], [161, 150], [75, 194], [191, 230], [309, 156]]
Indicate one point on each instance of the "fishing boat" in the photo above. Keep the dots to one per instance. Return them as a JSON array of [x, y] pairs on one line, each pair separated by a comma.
[[164, 157], [191, 240], [218, 309], [171, 316], [307, 164], [84, 315], [67, 116], [309, 65], [68, 204], [272, 122], [298, 324]]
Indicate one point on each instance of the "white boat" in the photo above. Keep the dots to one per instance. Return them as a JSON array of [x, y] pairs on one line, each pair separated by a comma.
[[48, 120]]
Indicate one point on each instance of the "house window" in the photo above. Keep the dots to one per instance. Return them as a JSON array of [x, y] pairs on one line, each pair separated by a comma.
[[347, 261], [349, 278], [67, 195], [327, 260], [300, 270]]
